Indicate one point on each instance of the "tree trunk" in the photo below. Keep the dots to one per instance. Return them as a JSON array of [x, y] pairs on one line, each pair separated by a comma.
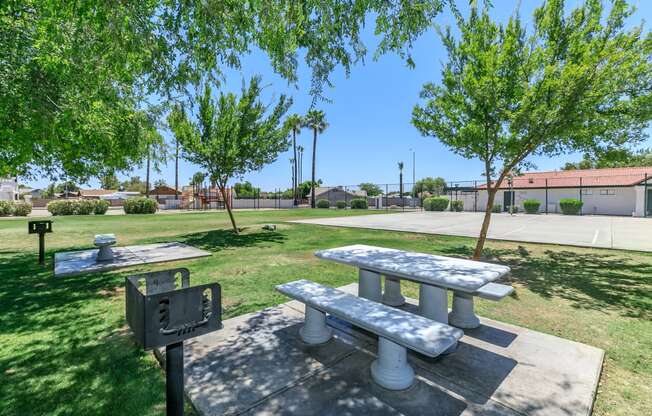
[[491, 195], [400, 185], [295, 168], [176, 172], [314, 159], [227, 204]]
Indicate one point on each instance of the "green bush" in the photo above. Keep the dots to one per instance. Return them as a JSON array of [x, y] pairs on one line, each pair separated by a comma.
[[531, 206], [6, 208], [140, 205], [497, 208], [513, 209], [63, 207], [323, 203], [570, 206], [359, 203], [457, 206], [435, 203], [83, 207], [22, 209], [341, 204], [101, 206]]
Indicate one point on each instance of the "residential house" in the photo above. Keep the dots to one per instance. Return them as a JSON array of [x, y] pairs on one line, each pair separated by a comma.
[[9, 189]]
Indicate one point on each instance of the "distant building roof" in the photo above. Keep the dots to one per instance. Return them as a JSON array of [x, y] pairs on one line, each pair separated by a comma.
[[320, 190], [96, 192], [163, 190], [579, 177]]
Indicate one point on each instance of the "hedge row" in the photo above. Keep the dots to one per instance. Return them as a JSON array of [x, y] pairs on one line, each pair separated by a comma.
[[140, 205], [436, 203], [78, 207], [457, 206], [15, 208], [323, 203], [531, 206]]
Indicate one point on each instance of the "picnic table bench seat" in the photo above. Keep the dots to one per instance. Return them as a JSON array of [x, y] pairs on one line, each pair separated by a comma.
[[462, 314], [397, 330]]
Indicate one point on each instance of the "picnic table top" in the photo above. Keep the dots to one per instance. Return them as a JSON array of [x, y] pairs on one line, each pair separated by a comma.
[[447, 272]]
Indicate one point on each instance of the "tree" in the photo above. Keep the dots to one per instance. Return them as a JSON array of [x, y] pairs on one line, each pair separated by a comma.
[[234, 135], [434, 186], [295, 122], [371, 189], [159, 183], [306, 187], [400, 179], [612, 158], [133, 184], [245, 190], [109, 181], [66, 108], [576, 82], [315, 120]]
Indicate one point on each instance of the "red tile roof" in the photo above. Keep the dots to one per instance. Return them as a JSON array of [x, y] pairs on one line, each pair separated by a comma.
[[579, 177]]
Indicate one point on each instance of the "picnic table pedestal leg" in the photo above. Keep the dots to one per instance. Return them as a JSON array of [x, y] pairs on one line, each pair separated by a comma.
[[392, 295], [433, 304], [369, 285], [391, 370], [315, 330], [462, 314]]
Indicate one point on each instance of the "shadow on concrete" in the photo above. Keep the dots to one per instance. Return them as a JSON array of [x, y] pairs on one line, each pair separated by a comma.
[[492, 335]]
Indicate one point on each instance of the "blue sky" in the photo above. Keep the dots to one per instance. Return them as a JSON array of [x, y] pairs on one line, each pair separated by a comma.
[[369, 116]]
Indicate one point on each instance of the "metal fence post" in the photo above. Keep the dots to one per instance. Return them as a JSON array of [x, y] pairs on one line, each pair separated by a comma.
[[546, 196], [581, 195], [475, 196], [645, 208], [386, 196]]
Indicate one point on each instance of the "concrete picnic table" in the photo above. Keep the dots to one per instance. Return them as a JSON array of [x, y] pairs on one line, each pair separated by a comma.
[[435, 274]]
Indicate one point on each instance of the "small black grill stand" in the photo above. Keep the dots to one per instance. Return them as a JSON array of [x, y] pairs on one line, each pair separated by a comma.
[[164, 310], [40, 228]]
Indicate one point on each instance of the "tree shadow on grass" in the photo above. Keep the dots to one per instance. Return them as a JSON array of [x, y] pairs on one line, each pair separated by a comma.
[[589, 280], [217, 240], [65, 348]]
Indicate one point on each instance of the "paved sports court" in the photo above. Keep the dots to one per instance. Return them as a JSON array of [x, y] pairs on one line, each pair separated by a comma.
[[626, 233]]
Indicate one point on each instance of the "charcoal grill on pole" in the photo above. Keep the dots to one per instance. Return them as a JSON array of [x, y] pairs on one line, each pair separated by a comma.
[[163, 310], [40, 227]]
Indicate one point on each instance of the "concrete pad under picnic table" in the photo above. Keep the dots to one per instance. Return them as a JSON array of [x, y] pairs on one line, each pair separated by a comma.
[[70, 263], [258, 365]]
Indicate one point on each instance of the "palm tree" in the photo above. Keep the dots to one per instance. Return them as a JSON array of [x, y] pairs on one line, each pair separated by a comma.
[[400, 180], [176, 169], [295, 123], [315, 120], [300, 173]]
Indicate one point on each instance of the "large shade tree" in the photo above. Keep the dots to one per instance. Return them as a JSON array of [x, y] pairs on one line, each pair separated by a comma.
[[316, 121], [78, 79], [576, 81], [233, 135]]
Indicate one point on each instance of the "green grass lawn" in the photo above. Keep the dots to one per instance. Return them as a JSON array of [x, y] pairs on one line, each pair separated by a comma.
[[65, 348]]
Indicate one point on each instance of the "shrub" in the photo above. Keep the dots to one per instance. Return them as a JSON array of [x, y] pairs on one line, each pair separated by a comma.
[[531, 206], [6, 208], [83, 207], [22, 209], [513, 209], [341, 204], [457, 206], [497, 208], [359, 203], [570, 206], [140, 205], [101, 206], [436, 203], [63, 207], [323, 203]]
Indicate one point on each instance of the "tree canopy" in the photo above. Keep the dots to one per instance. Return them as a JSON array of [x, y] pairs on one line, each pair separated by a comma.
[[233, 135], [574, 82], [81, 82], [612, 158], [371, 188], [433, 186]]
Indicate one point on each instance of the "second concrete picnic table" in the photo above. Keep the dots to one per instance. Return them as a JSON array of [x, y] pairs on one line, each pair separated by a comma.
[[435, 274]]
